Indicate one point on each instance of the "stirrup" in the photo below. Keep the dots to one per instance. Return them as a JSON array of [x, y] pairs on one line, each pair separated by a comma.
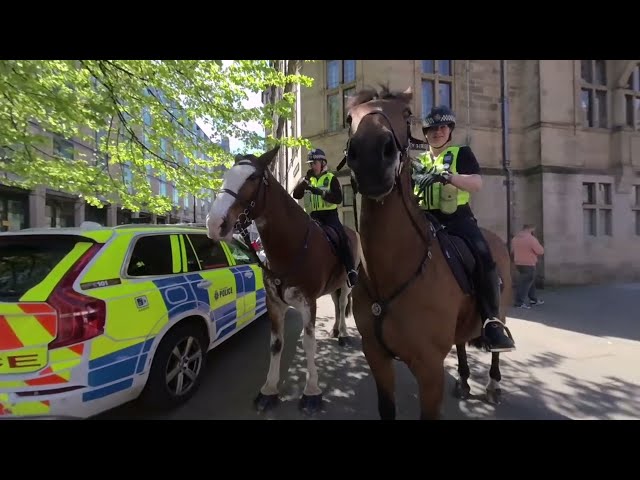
[[497, 320], [349, 284]]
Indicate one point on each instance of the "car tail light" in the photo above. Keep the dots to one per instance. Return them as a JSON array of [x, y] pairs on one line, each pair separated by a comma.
[[80, 317]]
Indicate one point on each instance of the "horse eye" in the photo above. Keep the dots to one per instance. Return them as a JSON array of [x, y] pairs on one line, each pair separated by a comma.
[[348, 120]]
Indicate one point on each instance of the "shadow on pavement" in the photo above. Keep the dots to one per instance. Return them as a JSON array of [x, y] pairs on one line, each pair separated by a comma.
[[559, 396], [537, 387], [601, 310]]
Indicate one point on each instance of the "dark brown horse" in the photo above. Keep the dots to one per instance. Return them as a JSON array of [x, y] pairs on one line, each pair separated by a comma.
[[408, 303], [301, 263]]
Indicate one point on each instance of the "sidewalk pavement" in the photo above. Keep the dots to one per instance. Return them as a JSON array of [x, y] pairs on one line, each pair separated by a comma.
[[576, 358]]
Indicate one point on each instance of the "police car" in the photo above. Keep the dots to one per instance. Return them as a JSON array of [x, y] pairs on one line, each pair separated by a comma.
[[93, 317]]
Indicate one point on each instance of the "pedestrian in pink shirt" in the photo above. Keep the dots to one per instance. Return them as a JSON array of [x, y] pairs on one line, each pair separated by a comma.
[[526, 249]]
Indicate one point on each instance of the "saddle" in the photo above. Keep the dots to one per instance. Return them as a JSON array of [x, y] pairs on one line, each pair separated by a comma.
[[458, 253], [333, 237]]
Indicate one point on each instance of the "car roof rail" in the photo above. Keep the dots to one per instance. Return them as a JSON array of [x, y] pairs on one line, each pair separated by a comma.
[[159, 225]]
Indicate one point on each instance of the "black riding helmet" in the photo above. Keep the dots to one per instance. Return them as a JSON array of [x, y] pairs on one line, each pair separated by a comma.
[[316, 154], [441, 115]]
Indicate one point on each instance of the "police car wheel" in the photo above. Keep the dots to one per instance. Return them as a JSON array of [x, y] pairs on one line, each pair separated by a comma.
[[177, 367]]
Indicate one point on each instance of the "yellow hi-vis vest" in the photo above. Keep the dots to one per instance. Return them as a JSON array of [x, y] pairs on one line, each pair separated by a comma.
[[445, 198], [313, 203]]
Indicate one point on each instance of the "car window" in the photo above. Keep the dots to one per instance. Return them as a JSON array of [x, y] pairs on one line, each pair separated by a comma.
[[151, 256], [25, 261], [240, 252], [209, 252]]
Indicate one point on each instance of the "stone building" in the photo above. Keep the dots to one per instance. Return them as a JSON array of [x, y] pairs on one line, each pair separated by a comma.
[[573, 147]]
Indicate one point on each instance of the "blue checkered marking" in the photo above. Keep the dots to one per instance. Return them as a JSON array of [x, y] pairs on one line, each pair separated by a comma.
[[108, 390], [109, 373], [238, 274], [177, 294], [244, 283], [201, 294]]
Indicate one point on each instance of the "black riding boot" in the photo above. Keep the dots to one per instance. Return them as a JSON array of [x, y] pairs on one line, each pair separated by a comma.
[[347, 259], [352, 274], [496, 334]]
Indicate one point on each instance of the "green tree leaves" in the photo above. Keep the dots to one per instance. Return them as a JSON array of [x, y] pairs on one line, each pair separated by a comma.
[[101, 128]]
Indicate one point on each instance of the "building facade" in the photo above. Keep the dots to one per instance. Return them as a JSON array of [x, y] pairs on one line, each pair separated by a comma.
[[44, 207], [573, 148]]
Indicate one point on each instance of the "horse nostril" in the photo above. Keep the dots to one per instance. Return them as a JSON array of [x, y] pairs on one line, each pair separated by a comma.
[[224, 224]]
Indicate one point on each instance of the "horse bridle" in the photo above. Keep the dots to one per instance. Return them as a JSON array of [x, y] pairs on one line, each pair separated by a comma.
[[380, 307], [248, 215]]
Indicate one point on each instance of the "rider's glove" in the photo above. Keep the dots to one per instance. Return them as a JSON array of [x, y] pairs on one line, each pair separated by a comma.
[[429, 177], [314, 190]]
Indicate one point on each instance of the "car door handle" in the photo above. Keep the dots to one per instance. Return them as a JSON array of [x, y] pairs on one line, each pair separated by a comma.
[[204, 284]]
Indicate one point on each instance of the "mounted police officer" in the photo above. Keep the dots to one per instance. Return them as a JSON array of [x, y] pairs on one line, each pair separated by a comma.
[[322, 195], [443, 182]]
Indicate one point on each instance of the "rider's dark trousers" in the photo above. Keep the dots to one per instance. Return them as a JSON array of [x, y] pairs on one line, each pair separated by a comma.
[[466, 226], [331, 218]]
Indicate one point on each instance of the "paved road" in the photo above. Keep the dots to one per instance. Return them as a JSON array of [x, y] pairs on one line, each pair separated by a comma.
[[576, 359]]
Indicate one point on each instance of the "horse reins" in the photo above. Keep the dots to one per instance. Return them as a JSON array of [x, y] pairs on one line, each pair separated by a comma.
[[244, 221], [380, 307]]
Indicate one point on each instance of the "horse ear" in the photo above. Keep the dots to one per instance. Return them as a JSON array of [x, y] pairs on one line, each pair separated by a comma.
[[266, 158], [407, 95], [237, 158]]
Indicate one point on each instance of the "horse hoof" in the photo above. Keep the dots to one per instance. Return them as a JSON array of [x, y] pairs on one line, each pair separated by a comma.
[[335, 333], [461, 391], [494, 396], [344, 341], [264, 402], [310, 404]]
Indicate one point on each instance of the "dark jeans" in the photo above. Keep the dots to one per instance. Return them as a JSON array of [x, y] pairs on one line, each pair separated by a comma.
[[331, 218], [526, 286]]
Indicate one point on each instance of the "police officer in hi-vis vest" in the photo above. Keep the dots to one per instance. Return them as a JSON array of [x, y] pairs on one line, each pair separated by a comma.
[[443, 181], [322, 195]]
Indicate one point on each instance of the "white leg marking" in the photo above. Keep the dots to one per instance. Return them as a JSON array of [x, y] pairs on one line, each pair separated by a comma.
[[493, 384], [294, 298], [344, 292], [309, 345], [277, 311]]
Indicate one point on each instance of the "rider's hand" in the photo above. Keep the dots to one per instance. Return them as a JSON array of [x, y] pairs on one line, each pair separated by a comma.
[[314, 190], [309, 174], [423, 180]]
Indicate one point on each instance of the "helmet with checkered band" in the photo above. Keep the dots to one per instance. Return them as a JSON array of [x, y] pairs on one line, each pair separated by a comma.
[[441, 115], [316, 154]]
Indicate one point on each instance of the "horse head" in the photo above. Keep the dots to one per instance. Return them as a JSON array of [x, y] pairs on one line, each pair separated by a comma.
[[241, 199], [379, 134]]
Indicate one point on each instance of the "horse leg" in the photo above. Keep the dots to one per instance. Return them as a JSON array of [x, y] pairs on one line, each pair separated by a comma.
[[430, 377], [342, 303], [462, 389], [268, 395], [335, 296], [381, 365], [311, 400], [494, 392]]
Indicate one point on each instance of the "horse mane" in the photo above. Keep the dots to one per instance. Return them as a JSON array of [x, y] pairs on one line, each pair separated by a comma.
[[385, 93]]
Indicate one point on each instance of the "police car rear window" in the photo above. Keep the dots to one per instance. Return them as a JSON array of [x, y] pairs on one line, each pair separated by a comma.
[[27, 260]]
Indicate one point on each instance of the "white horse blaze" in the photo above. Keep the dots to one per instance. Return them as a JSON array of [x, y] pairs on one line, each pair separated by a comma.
[[233, 180]]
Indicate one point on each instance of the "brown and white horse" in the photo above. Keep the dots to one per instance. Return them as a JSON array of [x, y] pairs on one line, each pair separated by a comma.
[[301, 263]]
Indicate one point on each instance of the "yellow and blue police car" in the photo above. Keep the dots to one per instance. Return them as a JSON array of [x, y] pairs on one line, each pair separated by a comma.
[[94, 317]]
